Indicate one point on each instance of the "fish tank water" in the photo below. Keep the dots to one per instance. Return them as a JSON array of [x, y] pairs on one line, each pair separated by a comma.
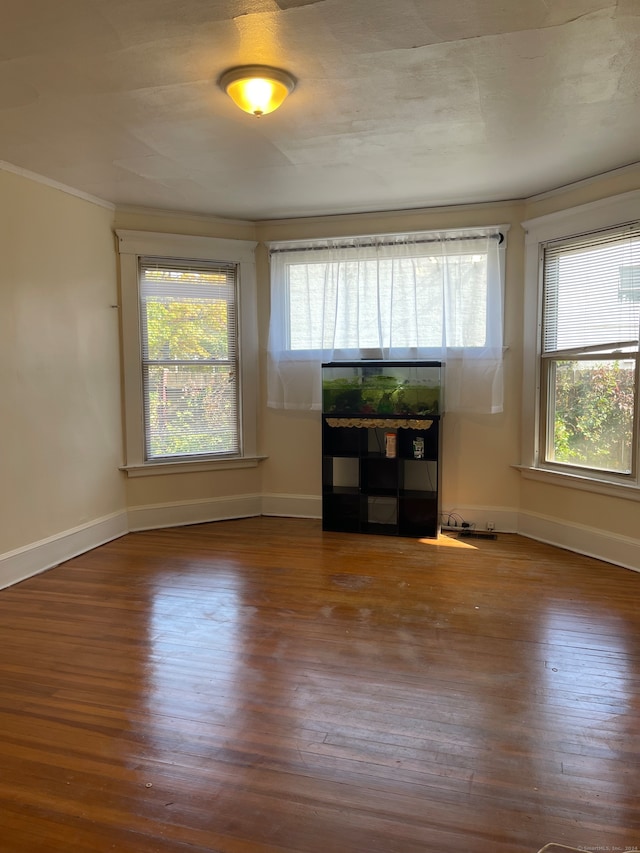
[[385, 388]]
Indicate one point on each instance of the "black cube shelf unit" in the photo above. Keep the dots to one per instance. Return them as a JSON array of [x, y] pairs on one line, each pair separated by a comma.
[[366, 489]]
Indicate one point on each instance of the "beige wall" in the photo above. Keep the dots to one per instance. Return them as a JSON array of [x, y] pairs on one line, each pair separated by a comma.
[[61, 412], [614, 515], [478, 451], [60, 416], [608, 514]]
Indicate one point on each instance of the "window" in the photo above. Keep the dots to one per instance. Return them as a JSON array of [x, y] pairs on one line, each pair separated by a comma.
[[189, 358], [428, 296], [590, 350], [189, 341], [582, 321]]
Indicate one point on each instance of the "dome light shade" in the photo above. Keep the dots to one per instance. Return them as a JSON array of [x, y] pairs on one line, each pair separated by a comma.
[[257, 89]]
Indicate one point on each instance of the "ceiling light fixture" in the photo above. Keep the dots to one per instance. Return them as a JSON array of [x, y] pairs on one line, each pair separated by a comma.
[[257, 89]]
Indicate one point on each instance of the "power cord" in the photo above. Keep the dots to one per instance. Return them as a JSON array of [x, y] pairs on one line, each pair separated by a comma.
[[456, 524], [453, 522]]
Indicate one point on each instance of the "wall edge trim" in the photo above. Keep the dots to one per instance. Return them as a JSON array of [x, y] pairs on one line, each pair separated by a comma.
[[183, 513], [623, 551], [56, 185], [292, 506], [30, 560]]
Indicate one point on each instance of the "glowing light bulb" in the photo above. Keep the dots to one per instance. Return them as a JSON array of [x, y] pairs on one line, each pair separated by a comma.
[[257, 89]]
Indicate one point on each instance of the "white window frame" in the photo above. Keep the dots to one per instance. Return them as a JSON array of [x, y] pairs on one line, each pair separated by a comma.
[[135, 244], [595, 216]]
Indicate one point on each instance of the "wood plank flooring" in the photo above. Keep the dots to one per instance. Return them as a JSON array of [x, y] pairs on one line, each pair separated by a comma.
[[259, 686]]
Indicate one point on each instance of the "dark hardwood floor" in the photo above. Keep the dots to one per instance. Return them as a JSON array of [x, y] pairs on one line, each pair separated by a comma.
[[258, 686]]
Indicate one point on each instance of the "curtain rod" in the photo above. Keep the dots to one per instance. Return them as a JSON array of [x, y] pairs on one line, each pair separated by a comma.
[[499, 236]]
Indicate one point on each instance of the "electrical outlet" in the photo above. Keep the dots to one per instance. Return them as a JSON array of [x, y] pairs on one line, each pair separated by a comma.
[[491, 525]]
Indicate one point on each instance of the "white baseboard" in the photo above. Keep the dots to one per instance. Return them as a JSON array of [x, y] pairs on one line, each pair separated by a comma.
[[292, 506], [609, 547], [220, 509], [180, 514], [39, 556], [310, 506]]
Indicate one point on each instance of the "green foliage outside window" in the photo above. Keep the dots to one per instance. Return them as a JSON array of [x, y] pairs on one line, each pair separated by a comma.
[[191, 411], [191, 408], [187, 329], [593, 414]]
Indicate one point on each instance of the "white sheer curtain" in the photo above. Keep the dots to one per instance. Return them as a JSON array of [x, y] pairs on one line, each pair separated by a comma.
[[433, 295]]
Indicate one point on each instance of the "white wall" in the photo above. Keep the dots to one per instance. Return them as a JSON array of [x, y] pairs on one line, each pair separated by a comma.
[[60, 488]]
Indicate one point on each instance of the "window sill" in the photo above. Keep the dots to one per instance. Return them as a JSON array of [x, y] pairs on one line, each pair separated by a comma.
[[153, 469], [627, 491]]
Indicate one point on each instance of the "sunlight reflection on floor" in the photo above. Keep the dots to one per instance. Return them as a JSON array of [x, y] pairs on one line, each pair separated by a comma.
[[444, 541]]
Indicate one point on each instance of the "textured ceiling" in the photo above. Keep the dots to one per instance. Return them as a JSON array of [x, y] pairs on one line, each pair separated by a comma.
[[409, 103]]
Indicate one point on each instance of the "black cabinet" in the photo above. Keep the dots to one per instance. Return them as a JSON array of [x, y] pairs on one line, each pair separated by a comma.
[[365, 491], [380, 472]]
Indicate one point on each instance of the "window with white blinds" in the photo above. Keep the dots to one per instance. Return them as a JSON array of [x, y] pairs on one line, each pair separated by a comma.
[[589, 347], [592, 291], [189, 341]]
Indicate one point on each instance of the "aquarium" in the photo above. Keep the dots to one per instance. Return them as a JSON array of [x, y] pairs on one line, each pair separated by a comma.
[[385, 388]]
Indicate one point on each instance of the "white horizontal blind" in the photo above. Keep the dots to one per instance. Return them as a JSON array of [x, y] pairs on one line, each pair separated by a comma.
[[592, 291], [189, 358]]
